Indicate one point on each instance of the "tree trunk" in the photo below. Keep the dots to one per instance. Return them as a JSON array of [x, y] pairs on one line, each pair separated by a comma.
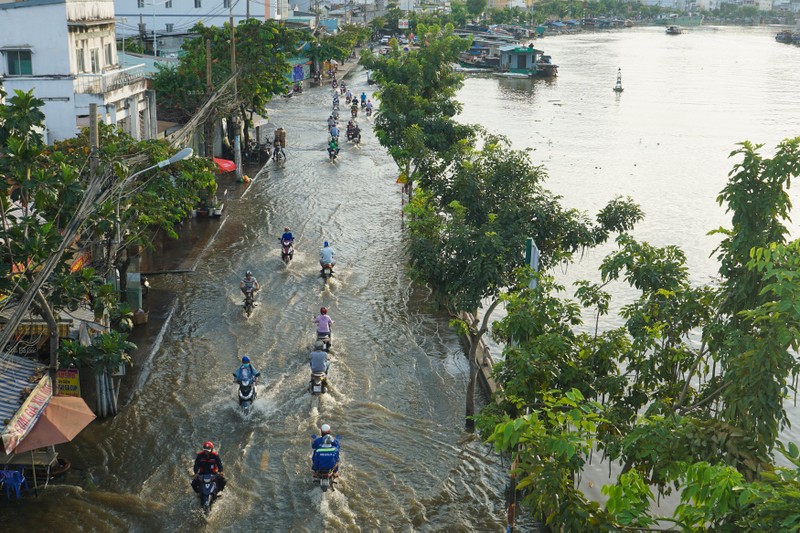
[[122, 266], [473, 378], [52, 327]]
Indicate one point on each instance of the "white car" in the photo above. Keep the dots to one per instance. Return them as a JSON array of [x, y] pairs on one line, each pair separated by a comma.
[[384, 40]]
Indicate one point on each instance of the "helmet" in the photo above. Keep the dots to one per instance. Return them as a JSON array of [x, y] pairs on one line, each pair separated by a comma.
[[285, 229], [323, 310], [325, 244], [208, 446], [326, 429], [245, 359], [319, 344], [248, 273]]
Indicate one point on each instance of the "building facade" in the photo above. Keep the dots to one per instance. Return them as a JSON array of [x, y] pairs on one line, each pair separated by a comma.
[[72, 64], [139, 17]]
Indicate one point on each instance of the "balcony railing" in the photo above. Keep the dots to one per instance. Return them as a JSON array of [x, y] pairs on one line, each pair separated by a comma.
[[108, 81]]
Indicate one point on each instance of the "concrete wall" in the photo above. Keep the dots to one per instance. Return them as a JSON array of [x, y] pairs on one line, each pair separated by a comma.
[[21, 27]]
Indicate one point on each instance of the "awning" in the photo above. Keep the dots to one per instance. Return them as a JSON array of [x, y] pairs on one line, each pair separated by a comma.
[[226, 165], [63, 418], [14, 377]]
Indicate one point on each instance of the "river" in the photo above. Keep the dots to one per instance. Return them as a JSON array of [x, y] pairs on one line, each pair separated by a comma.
[[398, 376]]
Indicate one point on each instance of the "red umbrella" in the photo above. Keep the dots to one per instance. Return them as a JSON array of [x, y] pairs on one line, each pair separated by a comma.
[[225, 165], [62, 419]]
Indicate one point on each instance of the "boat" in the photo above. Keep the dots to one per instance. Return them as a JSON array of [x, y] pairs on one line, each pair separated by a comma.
[[679, 20], [526, 62], [785, 36], [618, 87], [674, 30]]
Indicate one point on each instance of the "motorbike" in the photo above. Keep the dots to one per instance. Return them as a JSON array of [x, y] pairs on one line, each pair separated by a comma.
[[249, 303], [325, 478], [278, 155], [319, 383], [363, 104], [343, 89], [247, 395], [369, 111], [348, 98], [298, 88], [287, 251], [354, 111], [332, 154], [327, 268], [335, 114], [208, 491], [326, 340], [354, 137], [334, 83]]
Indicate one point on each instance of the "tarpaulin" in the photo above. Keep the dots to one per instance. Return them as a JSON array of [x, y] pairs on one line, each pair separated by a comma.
[[226, 165]]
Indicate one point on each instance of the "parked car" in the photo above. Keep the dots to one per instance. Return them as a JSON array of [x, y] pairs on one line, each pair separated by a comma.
[[384, 40]]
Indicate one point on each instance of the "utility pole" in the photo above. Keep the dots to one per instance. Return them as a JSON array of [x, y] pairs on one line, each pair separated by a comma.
[[209, 90], [237, 141], [247, 16], [316, 11]]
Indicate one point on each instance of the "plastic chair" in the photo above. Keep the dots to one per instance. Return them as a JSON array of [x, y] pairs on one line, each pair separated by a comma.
[[13, 480]]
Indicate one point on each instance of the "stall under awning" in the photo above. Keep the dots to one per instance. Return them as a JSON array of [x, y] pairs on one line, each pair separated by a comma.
[[62, 419], [16, 374]]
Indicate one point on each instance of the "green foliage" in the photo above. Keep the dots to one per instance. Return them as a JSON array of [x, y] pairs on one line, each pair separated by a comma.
[[475, 7], [261, 51], [106, 353], [692, 386]]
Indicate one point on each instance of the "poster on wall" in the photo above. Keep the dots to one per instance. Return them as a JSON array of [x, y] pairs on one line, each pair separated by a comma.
[[68, 382], [402, 24]]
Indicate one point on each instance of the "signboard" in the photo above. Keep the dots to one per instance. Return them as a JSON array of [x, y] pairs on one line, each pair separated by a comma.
[[24, 420], [68, 382], [402, 24]]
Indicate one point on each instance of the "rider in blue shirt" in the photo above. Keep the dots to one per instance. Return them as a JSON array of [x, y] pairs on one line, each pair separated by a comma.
[[364, 98], [287, 236], [246, 371]]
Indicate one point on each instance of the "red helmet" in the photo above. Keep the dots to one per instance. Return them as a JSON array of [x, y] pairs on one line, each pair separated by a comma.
[[208, 446], [323, 310]]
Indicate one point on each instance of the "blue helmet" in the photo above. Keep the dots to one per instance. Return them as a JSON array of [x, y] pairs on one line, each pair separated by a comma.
[[245, 359], [325, 244]]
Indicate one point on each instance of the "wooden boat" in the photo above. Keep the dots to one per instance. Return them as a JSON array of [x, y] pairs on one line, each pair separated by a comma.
[[674, 30]]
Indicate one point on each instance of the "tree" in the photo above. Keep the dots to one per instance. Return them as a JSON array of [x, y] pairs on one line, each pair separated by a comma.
[[417, 94], [689, 392], [475, 7], [468, 230]]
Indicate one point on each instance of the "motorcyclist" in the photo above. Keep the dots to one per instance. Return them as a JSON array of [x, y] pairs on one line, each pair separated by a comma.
[[363, 99], [333, 146], [249, 283], [208, 462], [246, 371], [335, 132], [336, 99], [350, 126], [354, 108], [324, 323], [325, 431], [356, 135], [369, 106], [287, 236], [318, 359], [331, 122], [348, 96], [326, 255]]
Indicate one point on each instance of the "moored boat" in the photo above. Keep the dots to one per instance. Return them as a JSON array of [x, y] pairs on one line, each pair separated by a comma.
[[785, 36]]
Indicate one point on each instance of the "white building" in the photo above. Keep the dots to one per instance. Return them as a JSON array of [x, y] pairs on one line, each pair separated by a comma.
[[65, 51], [137, 17]]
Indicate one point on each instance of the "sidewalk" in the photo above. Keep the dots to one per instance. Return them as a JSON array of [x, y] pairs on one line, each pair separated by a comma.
[[173, 256]]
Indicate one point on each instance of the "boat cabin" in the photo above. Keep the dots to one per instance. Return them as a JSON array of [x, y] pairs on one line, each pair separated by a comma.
[[526, 60]]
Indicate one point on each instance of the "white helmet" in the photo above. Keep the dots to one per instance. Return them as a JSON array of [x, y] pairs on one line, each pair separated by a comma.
[[325, 429]]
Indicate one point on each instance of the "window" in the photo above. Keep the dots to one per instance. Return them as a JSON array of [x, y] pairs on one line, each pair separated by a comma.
[[109, 55], [19, 62], [198, 4], [170, 28], [168, 4], [140, 4], [80, 59], [226, 3], [94, 55]]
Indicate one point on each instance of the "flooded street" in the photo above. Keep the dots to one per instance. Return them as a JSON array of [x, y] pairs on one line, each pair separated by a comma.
[[397, 375]]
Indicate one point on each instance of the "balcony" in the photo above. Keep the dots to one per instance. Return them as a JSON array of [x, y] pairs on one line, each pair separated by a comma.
[[107, 82]]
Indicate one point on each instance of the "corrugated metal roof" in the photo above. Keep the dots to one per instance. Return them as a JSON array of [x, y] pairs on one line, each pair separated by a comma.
[[14, 374]]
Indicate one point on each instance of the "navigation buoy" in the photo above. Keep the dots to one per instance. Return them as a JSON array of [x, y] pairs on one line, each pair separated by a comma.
[[618, 87]]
